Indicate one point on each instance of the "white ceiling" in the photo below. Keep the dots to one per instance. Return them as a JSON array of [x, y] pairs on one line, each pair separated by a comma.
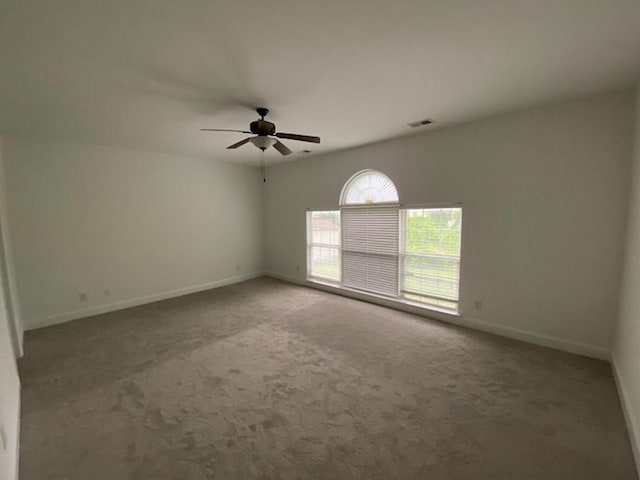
[[148, 74]]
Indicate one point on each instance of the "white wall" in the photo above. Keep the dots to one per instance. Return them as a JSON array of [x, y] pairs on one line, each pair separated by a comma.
[[626, 351], [545, 200], [141, 225], [7, 267], [9, 400], [9, 394]]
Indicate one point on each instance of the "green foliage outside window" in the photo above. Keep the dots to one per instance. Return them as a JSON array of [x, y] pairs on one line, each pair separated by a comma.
[[433, 231]]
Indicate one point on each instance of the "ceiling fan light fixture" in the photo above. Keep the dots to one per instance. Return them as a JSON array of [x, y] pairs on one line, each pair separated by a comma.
[[266, 135], [262, 142]]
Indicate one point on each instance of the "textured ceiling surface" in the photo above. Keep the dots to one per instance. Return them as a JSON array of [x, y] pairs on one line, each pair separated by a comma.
[[148, 74]]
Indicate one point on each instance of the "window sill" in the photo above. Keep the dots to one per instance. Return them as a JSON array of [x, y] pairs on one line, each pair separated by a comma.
[[423, 309]]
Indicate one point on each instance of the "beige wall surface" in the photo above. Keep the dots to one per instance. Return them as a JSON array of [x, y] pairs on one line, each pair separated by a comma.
[[125, 226], [626, 349], [9, 388], [545, 199]]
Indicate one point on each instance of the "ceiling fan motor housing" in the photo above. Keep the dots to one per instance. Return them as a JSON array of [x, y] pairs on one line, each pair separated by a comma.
[[262, 127]]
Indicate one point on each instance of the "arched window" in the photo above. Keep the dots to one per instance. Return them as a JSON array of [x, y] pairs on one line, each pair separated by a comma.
[[368, 187], [370, 233], [371, 244]]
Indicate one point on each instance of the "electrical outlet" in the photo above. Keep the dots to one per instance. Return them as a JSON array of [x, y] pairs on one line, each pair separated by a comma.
[[107, 293], [298, 268], [478, 305], [82, 296], [237, 267]]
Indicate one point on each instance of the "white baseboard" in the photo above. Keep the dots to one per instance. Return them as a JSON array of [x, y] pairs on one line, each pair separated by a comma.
[[633, 423], [593, 351], [134, 302], [528, 336]]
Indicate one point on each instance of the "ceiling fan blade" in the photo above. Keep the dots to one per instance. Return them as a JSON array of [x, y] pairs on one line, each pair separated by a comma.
[[239, 144], [222, 130], [295, 136], [282, 148]]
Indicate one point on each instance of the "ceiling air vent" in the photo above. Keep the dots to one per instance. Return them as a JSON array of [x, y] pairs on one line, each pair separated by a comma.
[[420, 123]]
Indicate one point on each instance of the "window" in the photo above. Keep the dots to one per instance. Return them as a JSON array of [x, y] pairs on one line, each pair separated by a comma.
[[370, 228], [368, 187], [372, 245], [323, 245], [430, 258], [370, 249]]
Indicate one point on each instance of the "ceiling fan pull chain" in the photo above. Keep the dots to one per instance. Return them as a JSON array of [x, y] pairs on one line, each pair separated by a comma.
[[263, 167]]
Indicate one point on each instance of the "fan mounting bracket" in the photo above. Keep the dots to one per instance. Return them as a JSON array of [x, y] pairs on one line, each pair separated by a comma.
[[262, 111]]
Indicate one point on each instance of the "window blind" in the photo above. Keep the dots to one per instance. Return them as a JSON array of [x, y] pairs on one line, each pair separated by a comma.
[[370, 247]]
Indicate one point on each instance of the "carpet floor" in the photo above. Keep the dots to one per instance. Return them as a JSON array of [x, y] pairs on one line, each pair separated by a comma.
[[267, 380]]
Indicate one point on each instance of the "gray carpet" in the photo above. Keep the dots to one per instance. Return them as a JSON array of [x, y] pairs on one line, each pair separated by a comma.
[[267, 380]]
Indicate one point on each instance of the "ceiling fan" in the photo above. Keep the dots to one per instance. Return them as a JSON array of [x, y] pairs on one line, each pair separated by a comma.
[[265, 133]]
